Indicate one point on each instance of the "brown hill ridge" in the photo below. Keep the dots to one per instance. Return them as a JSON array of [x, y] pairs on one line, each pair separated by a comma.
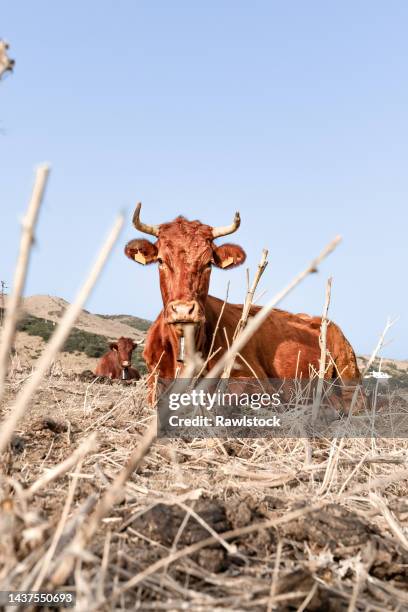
[[52, 308]]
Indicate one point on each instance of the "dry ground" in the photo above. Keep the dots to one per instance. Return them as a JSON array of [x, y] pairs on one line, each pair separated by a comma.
[[279, 551], [28, 348]]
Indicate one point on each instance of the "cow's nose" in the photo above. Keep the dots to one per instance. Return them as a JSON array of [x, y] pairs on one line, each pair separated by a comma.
[[125, 364], [180, 312]]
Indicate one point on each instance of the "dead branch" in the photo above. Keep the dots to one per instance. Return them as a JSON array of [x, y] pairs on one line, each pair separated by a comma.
[[58, 338], [247, 307], [6, 63], [20, 275], [322, 361], [380, 344]]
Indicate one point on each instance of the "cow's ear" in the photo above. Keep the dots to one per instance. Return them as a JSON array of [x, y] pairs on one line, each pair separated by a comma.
[[113, 346], [142, 251], [229, 256]]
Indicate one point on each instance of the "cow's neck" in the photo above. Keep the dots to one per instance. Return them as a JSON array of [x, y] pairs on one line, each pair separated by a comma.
[[174, 340], [119, 366]]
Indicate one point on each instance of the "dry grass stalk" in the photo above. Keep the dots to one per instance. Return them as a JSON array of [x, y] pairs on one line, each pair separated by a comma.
[[377, 349], [260, 317], [231, 549], [58, 338], [212, 354], [323, 352], [392, 522], [380, 344], [193, 361], [360, 574], [250, 294], [45, 563], [275, 576], [308, 598], [247, 307], [20, 275], [6, 64]]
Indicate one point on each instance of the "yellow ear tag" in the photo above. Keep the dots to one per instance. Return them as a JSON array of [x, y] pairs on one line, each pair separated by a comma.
[[140, 258], [227, 262]]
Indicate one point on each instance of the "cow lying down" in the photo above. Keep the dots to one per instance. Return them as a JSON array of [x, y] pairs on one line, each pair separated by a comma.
[[116, 363], [285, 346]]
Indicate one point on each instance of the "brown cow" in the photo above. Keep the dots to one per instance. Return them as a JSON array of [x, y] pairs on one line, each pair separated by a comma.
[[116, 362], [285, 346]]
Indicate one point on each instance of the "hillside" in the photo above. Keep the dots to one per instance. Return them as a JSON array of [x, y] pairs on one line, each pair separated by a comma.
[[136, 322], [88, 340], [112, 327]]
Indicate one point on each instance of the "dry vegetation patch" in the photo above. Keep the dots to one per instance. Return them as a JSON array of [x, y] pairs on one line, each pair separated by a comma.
[[209, 524]]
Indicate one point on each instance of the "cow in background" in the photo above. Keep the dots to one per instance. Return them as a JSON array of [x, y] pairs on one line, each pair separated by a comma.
[[116, 363]]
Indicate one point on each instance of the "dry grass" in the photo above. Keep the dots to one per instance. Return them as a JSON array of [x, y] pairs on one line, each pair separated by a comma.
[[202, 525]]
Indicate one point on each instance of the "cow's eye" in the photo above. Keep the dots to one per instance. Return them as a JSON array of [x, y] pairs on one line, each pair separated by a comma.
[[160, 261]]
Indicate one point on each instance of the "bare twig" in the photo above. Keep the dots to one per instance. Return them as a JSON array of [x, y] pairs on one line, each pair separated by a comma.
[[20, 275], [393, 524], [58, 532], [308, 598], [250, 294], [58, 338], [380, 344], [275, 576], [247, 307], [210, 352], [6, 64], [322, 342], [377, 349]]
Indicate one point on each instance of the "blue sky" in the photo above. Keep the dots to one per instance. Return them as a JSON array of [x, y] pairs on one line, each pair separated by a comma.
[[294, 113]]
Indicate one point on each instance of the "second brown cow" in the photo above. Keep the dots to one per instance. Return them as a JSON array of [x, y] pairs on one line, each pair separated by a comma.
[[116, 363]]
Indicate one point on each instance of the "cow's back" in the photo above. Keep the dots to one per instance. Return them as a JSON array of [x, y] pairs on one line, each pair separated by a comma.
[[286, 345], [106, 365]]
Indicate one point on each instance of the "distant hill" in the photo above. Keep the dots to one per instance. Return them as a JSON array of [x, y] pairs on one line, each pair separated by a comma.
[[397, 369], [52, 308], [136, 322], [87, 341]]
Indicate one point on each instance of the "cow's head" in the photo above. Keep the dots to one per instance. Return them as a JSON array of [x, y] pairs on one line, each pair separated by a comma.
[[124, 348], [185, 252]]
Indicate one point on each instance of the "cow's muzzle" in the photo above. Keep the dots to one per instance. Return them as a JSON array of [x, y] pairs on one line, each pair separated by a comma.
[[178, 312]]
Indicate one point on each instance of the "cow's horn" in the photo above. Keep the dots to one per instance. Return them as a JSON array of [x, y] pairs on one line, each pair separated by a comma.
[[147, 229], [227, 229]]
